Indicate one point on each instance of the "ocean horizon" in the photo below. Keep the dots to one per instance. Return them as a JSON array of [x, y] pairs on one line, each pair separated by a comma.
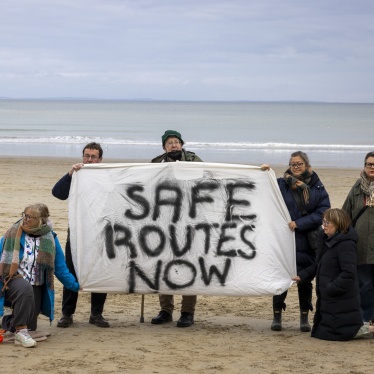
[[332, 134]]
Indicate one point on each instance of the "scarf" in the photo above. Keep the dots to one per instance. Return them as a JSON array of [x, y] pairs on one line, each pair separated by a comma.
[[175, 155], [367, 187], [299, 183], [9, 262]]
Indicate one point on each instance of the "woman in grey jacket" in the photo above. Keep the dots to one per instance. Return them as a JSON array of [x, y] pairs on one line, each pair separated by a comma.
[[360, 207]]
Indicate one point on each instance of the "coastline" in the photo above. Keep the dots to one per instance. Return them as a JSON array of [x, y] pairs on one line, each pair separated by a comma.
[[230, 335], [233, 154], [73, 160]]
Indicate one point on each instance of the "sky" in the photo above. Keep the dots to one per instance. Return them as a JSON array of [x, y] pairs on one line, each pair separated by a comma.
[[204, 50]]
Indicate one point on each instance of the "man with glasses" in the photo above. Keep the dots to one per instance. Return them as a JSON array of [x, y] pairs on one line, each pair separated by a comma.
[[92, 154], [172, 143]]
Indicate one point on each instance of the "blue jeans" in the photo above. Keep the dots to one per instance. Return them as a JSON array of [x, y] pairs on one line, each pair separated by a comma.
[[366, 283]]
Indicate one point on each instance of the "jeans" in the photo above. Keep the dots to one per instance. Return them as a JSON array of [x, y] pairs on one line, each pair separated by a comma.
[[366, 283]]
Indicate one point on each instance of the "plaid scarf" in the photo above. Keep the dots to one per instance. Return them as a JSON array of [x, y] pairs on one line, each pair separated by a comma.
[[299, 183], [367, 187], [9, 262]]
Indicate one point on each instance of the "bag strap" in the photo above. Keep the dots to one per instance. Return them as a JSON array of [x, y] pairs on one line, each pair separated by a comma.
[[354, 221]]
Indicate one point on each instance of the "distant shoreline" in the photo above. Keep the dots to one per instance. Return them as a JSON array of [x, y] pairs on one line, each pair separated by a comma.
[[142, 100]]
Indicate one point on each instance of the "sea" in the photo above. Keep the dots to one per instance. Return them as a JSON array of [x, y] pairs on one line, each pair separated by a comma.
[[332, 134]]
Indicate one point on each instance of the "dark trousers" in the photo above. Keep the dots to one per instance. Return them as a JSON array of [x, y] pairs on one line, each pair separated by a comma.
[[188, 303], [26, 302], [304, 289], [366, 283], [70, 298]]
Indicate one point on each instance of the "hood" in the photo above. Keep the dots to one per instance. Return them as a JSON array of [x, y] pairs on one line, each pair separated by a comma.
[[340, 237]]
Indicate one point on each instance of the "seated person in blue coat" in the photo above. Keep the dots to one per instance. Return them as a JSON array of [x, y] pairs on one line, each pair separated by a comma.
[[30, 257]]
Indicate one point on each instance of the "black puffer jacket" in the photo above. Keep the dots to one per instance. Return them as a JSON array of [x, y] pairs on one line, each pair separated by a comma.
[[318, 203], [338, 315]]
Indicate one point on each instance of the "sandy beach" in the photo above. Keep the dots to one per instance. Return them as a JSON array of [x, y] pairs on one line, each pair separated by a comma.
[[230, 335]]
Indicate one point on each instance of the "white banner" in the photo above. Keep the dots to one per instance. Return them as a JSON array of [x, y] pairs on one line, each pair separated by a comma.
[[180, 228]]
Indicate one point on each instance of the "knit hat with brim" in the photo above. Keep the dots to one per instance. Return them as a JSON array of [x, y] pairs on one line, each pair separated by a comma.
[[169, 133]]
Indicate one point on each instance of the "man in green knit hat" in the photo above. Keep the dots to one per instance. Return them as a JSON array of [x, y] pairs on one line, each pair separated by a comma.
[[172, 143]]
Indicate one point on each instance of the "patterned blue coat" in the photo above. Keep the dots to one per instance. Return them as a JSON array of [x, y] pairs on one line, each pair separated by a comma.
[[61, 272]]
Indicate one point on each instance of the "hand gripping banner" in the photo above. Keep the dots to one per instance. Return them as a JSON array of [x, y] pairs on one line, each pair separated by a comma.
[[180, 228]]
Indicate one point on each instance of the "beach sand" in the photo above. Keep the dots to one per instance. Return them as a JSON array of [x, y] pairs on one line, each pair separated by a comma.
[[230, 335]]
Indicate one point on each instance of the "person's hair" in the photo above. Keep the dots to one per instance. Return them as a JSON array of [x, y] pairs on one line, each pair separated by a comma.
[[339, 218], [370, 154], [40, 211], [96, 146], [303, 155]]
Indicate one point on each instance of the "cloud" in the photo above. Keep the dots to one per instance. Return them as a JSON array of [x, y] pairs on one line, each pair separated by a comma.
[[205, 50]]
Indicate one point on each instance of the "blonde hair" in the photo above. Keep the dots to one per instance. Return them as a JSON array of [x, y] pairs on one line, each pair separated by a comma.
[[41, 212], [339, 218]]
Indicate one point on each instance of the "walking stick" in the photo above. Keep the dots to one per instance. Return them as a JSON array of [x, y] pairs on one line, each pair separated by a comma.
[[142, 310]]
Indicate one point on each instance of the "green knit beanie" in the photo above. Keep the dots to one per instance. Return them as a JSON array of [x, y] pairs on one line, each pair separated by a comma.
[[169, 133]]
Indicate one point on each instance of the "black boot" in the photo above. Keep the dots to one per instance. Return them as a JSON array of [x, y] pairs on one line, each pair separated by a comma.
[[277, 321], [304, 324]]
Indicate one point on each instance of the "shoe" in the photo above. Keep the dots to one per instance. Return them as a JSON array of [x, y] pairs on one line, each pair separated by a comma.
[[23, 338], [65, 321], [38, 336], [98, 320], [277, 321], [162, 317], [185, 320], [304, 324]]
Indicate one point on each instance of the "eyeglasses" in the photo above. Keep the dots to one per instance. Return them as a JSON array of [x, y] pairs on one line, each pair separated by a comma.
[[297, 165], [92, 157], [26, 216], [369, 165], [325, 223], [173, 142]]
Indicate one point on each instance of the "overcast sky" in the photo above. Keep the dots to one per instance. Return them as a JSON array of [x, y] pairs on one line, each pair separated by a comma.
[[261, 50]]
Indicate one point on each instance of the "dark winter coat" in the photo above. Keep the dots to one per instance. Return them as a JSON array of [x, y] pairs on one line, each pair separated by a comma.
[[319, 201], [62, 187], [338, 314], [354, 202]]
